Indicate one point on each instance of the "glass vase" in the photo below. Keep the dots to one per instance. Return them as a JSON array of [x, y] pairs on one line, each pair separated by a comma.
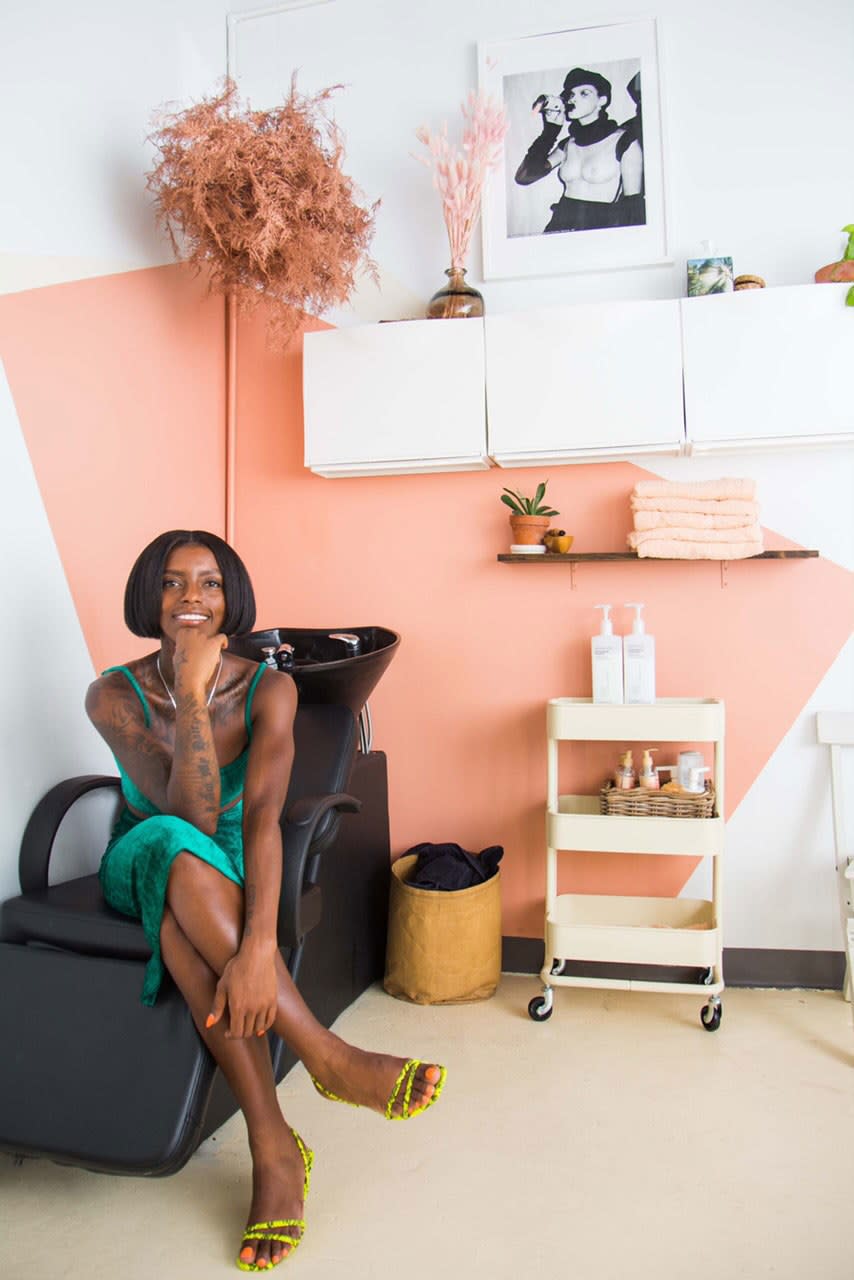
[[456, 300]]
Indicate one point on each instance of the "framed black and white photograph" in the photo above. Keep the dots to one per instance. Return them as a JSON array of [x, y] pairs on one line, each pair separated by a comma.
[[581, 183]]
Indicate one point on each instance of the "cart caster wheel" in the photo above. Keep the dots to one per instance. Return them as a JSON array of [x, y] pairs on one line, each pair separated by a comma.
[[540, 1009], [710, 1016]]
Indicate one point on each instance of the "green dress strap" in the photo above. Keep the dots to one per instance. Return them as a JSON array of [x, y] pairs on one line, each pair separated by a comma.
[[251, 694], [126, 671]]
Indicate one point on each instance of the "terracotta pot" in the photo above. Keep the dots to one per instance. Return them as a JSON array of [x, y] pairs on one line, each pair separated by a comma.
[[836, 272], [527, 531]]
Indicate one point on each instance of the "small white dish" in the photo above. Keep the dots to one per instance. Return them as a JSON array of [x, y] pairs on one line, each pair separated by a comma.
[[522, 549]]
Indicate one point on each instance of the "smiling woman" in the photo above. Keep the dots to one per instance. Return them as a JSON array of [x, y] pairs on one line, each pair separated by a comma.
[[203, 740]]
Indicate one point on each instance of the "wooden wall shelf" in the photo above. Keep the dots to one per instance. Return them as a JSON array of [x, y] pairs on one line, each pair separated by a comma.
[[580, 557], [585, 557]]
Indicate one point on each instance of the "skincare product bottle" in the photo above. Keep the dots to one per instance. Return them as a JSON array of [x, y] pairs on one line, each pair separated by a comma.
[[688, 762], [639, 661], [625, 776], [268, 655], [696, 783], [607, 657], [648, 778]]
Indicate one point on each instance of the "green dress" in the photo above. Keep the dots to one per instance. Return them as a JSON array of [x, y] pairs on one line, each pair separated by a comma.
[[137, 861]]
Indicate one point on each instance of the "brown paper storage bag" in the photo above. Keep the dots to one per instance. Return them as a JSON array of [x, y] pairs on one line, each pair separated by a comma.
[[443, 947]]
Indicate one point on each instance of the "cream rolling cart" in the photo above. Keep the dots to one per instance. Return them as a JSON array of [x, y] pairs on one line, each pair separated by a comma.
[[675, 932]]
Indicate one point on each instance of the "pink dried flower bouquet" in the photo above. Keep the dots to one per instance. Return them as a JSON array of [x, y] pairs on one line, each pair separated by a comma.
[[459, 175]]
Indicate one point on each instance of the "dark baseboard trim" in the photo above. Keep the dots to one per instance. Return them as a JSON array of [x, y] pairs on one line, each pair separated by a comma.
[[743, 966]]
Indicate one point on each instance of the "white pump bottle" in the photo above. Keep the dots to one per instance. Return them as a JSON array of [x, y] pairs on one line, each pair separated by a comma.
[[639, 661], [607, 657]]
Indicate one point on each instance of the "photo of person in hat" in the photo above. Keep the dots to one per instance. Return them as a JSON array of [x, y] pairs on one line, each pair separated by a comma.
[[598, 161]]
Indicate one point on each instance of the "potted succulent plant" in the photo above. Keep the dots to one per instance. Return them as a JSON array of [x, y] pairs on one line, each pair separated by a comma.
[[529, 517]]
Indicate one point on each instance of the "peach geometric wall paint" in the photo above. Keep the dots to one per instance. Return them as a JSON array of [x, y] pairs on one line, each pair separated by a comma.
[[461, 710], [119, 385]]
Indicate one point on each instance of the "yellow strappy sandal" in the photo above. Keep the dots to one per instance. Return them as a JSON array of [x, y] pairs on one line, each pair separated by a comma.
[[404, 1081], [277, 1229]]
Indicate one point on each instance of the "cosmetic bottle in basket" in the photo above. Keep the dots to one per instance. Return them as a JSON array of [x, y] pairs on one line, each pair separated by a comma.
[[625, 777], [648, 777]]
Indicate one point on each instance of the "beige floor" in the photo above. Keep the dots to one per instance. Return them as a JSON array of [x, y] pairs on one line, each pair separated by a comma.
[[617, 1140]]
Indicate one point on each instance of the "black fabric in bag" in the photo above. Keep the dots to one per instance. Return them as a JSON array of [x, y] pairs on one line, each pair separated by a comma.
[[449, 867]]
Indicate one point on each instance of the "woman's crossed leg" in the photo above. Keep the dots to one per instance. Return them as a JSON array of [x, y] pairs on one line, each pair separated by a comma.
[[201, 932]]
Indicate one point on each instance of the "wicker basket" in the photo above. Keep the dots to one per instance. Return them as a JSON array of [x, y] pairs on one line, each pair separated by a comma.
[[640, 803]]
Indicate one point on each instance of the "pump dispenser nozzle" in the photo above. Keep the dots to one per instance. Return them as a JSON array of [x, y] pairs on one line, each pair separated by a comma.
[[638, 626], [607, 627]]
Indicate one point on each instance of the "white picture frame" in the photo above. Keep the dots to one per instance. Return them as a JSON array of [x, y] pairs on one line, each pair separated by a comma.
[[524, 231]]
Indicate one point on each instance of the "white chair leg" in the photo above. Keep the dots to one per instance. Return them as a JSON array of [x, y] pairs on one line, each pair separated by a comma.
[[836, 730], [848, 986], [848, 934]]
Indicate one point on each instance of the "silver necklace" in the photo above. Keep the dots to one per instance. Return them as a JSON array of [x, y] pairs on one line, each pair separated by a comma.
[[171, 694]]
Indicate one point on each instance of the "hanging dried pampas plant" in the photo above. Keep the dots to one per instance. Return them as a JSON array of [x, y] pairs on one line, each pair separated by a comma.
[[259, 200]]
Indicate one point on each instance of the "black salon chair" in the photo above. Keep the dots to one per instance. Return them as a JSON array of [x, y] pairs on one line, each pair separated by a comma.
[[88, 1075]]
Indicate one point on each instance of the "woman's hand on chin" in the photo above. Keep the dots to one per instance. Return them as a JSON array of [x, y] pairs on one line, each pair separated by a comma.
[[196, 657]]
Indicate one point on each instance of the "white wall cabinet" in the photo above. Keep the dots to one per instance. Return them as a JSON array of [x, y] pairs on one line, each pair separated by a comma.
[[394, 398], [762, 368], [768, 368], [584, 382]]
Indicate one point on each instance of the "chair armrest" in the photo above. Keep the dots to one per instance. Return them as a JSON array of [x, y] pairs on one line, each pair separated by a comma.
[[45, 820], [301, 852], [310, 809]]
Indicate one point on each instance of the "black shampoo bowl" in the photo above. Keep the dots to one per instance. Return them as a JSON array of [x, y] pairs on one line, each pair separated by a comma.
[[327, 669]]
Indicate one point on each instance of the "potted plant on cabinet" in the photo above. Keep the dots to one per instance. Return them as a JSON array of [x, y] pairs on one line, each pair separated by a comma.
[[529, 518]]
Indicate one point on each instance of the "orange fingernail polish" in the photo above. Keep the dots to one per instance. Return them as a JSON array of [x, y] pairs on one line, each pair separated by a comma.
[[210, 1021]]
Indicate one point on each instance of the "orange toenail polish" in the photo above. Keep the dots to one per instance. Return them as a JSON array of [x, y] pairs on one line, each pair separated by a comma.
[[246, 1254]]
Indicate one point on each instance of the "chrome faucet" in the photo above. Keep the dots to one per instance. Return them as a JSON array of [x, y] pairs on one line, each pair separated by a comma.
[[366, 728], [352, 641]]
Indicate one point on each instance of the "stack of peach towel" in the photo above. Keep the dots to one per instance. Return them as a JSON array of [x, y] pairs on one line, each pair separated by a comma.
[[699, 520]]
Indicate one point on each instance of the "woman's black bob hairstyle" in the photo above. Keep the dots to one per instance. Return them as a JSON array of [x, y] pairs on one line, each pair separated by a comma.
[[144, 590]]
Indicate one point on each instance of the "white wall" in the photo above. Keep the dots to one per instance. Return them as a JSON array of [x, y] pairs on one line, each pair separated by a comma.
[[756, 111], [79, 85]]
